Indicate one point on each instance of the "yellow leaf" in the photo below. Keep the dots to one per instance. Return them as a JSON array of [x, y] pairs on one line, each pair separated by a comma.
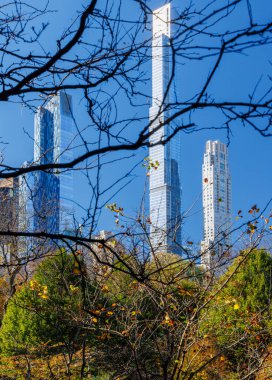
[[105, 288], [95, 320], [73, 288], [236, 306]]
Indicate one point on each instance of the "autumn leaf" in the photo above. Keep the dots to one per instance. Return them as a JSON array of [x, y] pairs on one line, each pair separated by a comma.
[[167, 320], [135, 312], [105, 288], [96, 312], [73, 288], [44, 296]]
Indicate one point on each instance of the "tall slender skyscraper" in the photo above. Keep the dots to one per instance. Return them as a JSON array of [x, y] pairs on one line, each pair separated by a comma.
[[216, 204], [165, 187], [53, 189]]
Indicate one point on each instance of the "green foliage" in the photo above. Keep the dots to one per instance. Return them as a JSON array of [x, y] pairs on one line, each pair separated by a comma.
[[42, 311], [237, 317], [252, 282], [21, 327], [123, 318]]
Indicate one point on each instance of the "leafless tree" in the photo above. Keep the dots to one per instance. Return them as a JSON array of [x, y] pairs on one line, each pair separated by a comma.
[[104, 55]]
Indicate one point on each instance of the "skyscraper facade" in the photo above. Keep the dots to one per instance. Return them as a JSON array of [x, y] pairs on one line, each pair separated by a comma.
[[165, 187], [9, 217], [53, 143], [216, 181], [25, 210]]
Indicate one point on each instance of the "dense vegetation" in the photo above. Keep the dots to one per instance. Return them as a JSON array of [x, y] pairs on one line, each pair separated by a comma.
[[107, 325]]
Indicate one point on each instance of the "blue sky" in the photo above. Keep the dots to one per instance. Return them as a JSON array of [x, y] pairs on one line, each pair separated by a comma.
[[249, 153]]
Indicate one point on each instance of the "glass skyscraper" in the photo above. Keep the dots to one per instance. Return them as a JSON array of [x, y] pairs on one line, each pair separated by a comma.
[[216, 204], [165, 186], [53, 143]]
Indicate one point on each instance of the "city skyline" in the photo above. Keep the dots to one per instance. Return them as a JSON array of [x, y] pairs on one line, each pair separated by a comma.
[[254, 145]]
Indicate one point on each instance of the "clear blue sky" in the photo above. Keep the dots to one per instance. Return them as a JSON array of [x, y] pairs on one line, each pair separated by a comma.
[[250, 154]]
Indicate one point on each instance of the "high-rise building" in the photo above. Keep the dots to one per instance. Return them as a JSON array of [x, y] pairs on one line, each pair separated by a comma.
[[216, 181], [25, 210], [16, 210], [9, 217], [165, 187], [53, 143]]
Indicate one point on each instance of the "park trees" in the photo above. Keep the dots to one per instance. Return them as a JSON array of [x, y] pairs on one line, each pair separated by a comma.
[[103, 55]]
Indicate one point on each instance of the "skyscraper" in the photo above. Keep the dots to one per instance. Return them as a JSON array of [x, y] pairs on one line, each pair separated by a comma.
[[25, 210], [53, 143], [9, 217], [165, 187], [216, 204]]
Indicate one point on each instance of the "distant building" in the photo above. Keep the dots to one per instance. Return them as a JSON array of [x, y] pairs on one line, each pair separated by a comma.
[[101, 257], [25, 210], [216, 182], [53, 143], [16, 210], [165, 186], [9, 217]]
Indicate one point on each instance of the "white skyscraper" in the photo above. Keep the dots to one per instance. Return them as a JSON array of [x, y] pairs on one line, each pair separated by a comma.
[[165, 188], [216, 204]]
